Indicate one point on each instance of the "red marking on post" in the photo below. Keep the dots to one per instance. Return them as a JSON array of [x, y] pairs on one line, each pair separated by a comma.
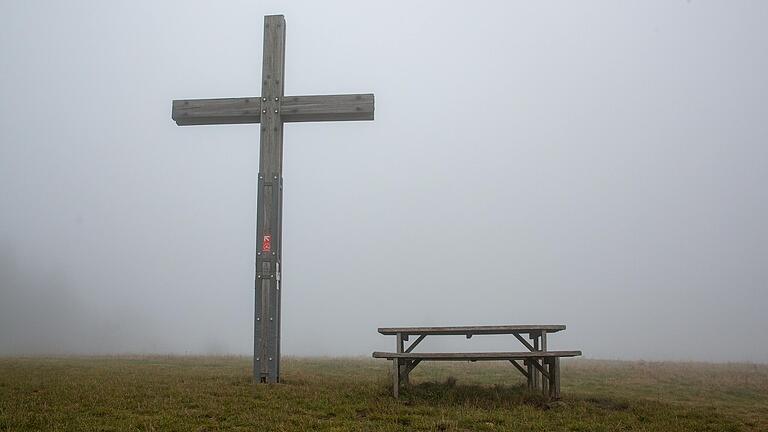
[[266, 243]]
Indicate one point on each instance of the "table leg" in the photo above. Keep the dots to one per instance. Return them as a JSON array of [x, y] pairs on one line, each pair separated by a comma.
[[396, 378], [536, 374], [555, 375], [403, 365], [544, 364], [531, 371], [405, 374]]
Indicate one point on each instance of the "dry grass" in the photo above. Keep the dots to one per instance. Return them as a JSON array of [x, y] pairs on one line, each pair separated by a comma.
[[207, 393]]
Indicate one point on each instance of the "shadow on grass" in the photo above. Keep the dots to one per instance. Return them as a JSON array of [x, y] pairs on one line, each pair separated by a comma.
[[450, 393]]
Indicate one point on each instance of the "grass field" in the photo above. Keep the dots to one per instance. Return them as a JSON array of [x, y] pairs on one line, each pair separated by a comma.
[[215, 393]]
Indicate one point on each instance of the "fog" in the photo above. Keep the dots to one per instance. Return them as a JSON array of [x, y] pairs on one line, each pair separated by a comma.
[[597, 164]]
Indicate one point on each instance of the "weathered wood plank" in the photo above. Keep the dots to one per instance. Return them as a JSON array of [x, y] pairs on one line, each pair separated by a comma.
[[269, 200], [327, 108], [555, 371], [474, 330], [216, 111], [395, 378], [348, 107], [399, 346], [476, 355]]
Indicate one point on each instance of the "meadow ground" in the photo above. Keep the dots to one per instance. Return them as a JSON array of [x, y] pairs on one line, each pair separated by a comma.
[[215, 393]]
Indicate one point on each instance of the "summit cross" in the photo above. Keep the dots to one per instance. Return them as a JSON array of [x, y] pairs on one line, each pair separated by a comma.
[[272, 109]]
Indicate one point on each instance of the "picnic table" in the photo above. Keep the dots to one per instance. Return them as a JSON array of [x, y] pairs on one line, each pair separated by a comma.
[[540, 367]]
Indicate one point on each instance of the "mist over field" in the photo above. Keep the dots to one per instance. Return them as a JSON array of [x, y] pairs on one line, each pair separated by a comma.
[[597, 164]]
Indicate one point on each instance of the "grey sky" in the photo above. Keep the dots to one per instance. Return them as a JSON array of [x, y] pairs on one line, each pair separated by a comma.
[[597, 164]]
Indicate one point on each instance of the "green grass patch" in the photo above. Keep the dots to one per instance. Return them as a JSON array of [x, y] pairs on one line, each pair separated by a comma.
[[216, 393]]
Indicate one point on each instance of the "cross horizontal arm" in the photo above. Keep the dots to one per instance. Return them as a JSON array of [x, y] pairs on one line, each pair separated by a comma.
[[327, 108], [292, 109], [216, 111]]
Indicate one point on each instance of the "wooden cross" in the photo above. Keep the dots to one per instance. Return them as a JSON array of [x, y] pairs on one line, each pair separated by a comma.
[[271, 109]]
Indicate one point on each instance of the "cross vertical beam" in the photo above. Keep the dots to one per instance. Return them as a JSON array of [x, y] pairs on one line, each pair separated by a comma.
[[266, 344], [272, 109]]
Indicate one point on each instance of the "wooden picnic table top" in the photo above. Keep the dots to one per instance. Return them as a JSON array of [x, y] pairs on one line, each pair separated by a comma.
[[471, 330]]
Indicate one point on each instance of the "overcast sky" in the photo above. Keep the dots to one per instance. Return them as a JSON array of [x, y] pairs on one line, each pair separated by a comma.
[[597, 164]]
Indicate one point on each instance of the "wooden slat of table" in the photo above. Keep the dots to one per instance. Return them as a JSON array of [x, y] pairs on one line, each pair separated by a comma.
[[474, 330], [447, 356]]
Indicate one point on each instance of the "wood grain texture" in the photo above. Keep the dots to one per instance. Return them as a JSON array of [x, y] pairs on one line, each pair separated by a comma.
[[348, 107], [471, 330], [395, 378], [269, 200], [458, 356], [216, 111], [328, 108]]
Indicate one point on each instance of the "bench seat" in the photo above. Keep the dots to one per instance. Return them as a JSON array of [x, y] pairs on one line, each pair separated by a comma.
[[476, 356]]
